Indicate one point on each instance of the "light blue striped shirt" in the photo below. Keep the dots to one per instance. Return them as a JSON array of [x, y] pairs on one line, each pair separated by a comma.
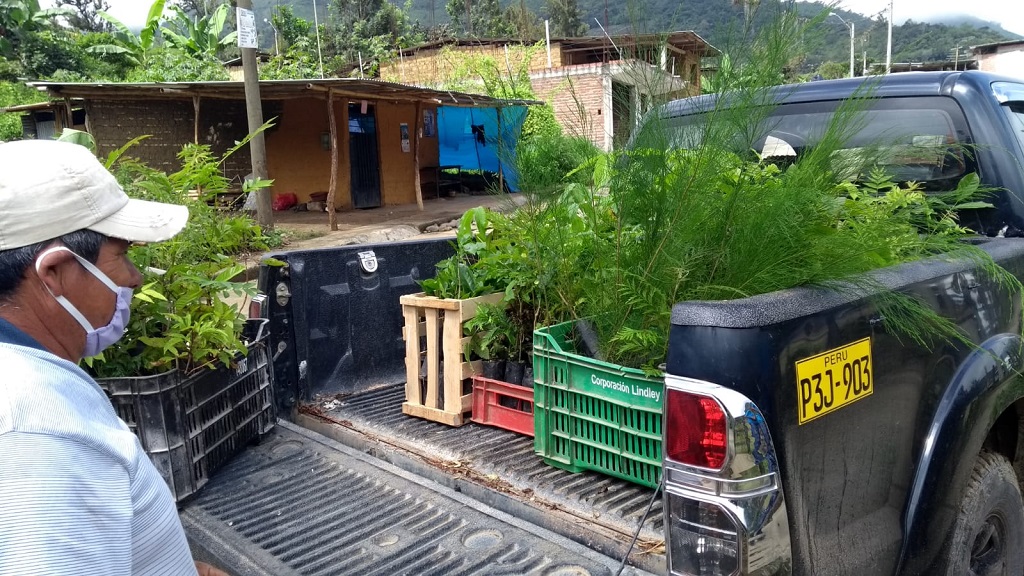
[[78, 495]]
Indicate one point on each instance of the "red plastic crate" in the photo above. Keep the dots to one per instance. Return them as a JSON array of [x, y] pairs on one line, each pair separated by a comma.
[[487, 408]]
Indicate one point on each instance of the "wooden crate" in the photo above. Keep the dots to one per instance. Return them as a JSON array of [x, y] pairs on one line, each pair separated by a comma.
[[440, 321]]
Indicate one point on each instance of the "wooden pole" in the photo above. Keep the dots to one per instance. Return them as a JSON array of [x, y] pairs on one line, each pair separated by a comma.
[[195, 107], [332, 215], [69, 112], [416, 153], [501, 152], [257, 144]]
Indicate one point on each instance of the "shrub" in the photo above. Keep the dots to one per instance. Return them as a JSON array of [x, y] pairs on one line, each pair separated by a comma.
[[180, 317]]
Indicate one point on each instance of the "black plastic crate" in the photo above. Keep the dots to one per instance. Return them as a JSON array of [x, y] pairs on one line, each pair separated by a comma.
[[190, 427]]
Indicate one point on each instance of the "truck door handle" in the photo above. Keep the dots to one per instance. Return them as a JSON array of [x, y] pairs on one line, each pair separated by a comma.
[[875, 321]]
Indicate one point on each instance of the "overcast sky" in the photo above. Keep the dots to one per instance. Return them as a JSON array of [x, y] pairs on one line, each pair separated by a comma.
[[133, 12], [1000, 11]]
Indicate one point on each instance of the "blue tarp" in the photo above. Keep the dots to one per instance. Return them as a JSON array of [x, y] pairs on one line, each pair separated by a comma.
[[469, 137]]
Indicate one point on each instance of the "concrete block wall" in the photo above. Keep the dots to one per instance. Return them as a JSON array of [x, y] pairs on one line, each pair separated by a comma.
[[170, 124]]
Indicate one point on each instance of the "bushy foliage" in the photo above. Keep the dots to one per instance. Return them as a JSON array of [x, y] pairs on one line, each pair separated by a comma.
[[12, 94], [181, 317], [168, 65]]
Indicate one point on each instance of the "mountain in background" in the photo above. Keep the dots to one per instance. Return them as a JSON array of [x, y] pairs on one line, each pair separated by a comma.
[[719, 22]]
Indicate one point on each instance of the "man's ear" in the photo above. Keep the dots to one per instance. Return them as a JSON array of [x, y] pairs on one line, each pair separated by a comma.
[[50, 269]]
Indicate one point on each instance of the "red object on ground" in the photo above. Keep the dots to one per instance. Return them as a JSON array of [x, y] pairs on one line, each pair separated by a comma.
[[487, 410], [285, 201]]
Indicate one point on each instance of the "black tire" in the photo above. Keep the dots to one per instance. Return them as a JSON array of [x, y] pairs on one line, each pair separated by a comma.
[[988, 536]]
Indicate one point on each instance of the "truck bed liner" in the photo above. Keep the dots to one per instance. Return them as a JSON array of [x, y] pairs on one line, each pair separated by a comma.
[[501, 460], [302, 504]]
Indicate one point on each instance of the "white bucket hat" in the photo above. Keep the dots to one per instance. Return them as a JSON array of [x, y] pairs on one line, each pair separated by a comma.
[[50, 188]]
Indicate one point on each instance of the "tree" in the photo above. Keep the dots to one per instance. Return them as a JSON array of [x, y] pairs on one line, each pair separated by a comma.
[[365, 33], [527, 26], [199, 8], [19, 19], [199, 35], [136, 48], [486, 18], [290, 27], [566, 18], [84, 14], [833, 70]]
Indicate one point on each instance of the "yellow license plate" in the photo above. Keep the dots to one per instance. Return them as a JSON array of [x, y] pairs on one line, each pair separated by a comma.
[[833, 379]]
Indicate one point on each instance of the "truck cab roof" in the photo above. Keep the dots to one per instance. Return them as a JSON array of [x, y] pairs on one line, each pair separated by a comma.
[[890, 85]]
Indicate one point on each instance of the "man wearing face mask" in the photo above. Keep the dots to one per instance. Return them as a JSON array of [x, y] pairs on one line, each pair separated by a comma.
[[77, 493]]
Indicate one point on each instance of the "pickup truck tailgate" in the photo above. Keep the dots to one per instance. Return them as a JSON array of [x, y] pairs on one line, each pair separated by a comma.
[[300, 503]]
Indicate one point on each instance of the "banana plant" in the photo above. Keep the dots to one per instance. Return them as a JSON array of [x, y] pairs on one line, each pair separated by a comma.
[[19, 18], [201, 36], [136, 48]]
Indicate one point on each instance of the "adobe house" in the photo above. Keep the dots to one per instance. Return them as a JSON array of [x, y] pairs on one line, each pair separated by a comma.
[[387, 154], [1001, 57], [599, 86]]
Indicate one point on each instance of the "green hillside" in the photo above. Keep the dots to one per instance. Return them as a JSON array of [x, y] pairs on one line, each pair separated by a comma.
[[720, 22]]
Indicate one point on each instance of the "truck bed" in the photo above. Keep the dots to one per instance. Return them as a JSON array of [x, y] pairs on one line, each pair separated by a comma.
[[300, 503], [499, 468]]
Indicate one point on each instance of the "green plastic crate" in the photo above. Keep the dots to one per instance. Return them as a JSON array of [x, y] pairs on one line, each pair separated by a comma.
[[592, 415]]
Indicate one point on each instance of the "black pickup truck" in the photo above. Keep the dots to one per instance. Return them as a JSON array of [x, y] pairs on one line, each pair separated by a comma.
[[805, 437], [906, 461]]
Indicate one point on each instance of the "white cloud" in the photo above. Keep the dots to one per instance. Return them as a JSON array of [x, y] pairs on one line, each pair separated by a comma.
[[919, 10]]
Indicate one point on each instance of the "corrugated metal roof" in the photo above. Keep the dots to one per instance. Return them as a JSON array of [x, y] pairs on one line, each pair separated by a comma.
[[357, 88]]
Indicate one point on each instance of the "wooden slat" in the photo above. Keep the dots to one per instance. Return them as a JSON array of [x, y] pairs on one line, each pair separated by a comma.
[[429, 302], [434, 414], [433, 360], [474, 368], [452, 361], [467, 403], [412, 355], [469, 306]]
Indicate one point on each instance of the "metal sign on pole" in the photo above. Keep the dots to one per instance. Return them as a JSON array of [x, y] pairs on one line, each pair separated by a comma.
[[247, 42]]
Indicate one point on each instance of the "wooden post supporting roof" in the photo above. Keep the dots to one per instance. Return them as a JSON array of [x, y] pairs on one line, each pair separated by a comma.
[[416, 127], [332, 215], [195, 107], [346, 140]]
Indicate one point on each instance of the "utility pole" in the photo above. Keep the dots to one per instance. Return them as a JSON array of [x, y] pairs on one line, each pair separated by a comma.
[[246, 22], [851, 26], [319, 51], [888, 43]]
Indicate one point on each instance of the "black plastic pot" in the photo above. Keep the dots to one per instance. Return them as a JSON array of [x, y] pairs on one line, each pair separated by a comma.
[[513, 373], [494, 369], [528, 376]]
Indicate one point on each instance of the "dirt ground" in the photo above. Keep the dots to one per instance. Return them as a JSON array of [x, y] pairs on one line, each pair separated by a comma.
[[304, 230], [307, 230]]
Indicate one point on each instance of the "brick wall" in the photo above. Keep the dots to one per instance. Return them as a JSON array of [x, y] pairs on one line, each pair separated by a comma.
[[1005, 60], [431, 67], [578, 102], [170, 125]]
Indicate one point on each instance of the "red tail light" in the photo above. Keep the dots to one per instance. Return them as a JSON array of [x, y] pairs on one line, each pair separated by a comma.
[[696, 430], [256, 306]]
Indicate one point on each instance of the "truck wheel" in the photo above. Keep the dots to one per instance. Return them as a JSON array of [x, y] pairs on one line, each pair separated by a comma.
[[989, 531]]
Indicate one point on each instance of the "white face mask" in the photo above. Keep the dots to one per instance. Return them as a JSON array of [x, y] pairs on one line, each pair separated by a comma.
[[96, 339]]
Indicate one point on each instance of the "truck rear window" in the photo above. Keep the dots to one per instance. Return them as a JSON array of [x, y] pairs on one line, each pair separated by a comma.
[[917, 139]]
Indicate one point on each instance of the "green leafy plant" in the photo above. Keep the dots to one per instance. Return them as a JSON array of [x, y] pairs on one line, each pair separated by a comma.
[[202, 36], [460, 276], [182, 316], [136, 48]]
